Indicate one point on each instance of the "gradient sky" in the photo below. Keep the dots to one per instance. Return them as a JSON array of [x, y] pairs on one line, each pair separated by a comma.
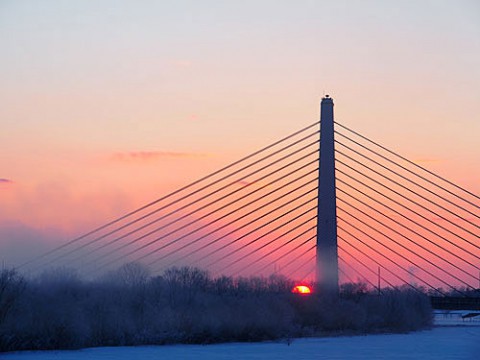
[[105, 105]]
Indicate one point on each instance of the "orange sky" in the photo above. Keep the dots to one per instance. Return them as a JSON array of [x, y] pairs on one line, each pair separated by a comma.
[[106, 106]]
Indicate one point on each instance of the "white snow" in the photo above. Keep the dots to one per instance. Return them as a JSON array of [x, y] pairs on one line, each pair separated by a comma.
[[444, 342]]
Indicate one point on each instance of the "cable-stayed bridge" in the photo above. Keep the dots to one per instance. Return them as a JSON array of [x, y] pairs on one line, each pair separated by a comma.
[[391, 221]]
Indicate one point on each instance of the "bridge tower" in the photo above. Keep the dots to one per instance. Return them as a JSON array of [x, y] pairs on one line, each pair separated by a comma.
[[326, 251]]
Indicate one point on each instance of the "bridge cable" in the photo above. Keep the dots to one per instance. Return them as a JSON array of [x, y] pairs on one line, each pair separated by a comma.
[[219, 228], [160, 248], [411, 191], [383, 255], [310, 270], [406, 188], [401, 245], [340, 247], [218, 209], [301, 266], [411, 220], [262, 226], [273, 240], [413, 242], [376, 261], [295, 259], [186, 187], [223, 226], [197, 200], [287, 222], [344, 274], [416, 165], [404, 206], [359, 274], [258, 259]]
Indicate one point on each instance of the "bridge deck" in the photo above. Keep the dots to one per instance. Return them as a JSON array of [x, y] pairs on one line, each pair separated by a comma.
[[455, 303]]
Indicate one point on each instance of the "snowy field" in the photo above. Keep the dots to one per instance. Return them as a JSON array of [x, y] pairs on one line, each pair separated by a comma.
[[453, 338]]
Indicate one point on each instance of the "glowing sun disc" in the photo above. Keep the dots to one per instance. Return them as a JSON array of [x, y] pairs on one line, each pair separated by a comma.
[[302, 289]]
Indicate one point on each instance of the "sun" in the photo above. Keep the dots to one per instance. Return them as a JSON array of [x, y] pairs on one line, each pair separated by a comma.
[[302, 289]]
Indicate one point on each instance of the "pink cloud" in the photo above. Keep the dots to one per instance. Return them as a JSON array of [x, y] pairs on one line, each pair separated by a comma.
[[244, 183], [152, 155], [5, 181]]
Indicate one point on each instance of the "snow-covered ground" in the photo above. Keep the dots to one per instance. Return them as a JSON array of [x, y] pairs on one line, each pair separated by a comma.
[[454, 338]]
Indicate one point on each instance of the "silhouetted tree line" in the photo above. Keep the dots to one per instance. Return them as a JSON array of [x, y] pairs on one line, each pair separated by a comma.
[[57, 310]]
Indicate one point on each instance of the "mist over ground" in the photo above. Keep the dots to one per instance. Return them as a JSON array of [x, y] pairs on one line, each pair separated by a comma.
[[20, 243]]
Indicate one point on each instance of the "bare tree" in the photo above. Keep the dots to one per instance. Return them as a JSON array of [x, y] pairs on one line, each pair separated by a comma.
[[133, 274], [11, 285]]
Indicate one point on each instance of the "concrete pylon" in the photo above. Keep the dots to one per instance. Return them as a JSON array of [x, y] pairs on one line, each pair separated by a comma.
[[327, 254]]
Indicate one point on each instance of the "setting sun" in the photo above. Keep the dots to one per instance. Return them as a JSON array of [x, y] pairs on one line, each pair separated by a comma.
[[302, 289]]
